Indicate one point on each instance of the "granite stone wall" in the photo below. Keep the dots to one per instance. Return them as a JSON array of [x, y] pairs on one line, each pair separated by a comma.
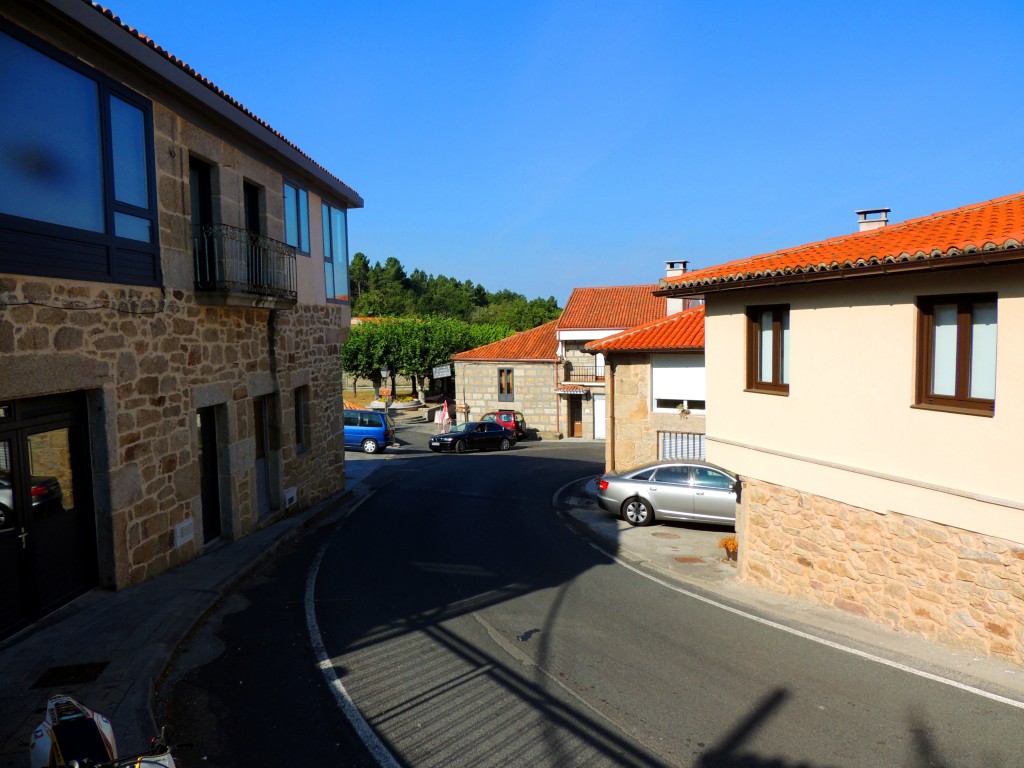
[[960, 588], [149, 360], [533, 393]]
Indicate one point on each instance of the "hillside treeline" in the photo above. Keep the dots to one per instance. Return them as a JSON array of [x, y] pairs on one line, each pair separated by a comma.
[[385, 290]]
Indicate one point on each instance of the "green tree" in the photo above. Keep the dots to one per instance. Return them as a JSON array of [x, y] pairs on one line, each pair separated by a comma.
[[358, 276]]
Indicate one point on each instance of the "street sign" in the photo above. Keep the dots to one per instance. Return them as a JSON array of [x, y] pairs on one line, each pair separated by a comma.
[[442, 371]]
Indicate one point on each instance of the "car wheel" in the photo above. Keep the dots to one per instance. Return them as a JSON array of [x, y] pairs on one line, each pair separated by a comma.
[[370, 446], [460, 446], [505, 444], [636, 511]]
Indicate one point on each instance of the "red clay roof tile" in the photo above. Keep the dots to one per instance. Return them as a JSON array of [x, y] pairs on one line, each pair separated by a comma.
[[535, 345], [683, 330], [612, 307], [988, 226]]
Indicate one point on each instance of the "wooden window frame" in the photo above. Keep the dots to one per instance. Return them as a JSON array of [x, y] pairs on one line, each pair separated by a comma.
[[961, 401], [754, 384], [506, 385]]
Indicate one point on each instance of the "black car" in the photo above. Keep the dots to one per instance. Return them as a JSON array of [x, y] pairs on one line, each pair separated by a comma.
[[474, 435]]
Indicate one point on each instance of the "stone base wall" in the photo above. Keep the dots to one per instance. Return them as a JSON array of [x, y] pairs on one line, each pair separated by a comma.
[[476, 385], [633, 424], [959, 588], [148, 360]]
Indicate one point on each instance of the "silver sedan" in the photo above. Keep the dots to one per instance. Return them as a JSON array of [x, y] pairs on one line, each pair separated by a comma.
[[671, 490]]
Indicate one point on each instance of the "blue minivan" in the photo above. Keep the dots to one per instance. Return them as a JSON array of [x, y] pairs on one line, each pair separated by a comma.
[[369, 430]]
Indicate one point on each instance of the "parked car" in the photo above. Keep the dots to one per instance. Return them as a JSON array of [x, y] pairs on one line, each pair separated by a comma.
[[474, 435], [671, 490], [510, 420], [369, 430], [46, 493]]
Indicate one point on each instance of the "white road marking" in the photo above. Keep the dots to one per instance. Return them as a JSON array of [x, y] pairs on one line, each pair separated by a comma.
[[348, 707], [805, 635]]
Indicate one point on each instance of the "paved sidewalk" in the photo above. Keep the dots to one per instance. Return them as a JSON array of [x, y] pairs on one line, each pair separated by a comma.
[[119, 643], [108, 649]]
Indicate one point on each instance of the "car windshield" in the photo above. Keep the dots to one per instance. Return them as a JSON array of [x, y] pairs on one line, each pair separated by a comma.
[[461, 428]]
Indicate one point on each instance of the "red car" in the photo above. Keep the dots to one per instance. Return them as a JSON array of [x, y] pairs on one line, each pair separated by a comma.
[[510, 420]]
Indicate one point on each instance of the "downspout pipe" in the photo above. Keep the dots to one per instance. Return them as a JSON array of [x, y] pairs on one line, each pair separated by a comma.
[[558, 399], [609, 457]]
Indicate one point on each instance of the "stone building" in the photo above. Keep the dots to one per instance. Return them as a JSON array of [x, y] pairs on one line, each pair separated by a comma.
[[516, 374], [656, 391], [591, 314], [546, 373], [173, 295], [869, 389]]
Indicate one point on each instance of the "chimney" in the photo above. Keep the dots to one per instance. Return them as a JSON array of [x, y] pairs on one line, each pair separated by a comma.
[[676, 268], [872, 218]]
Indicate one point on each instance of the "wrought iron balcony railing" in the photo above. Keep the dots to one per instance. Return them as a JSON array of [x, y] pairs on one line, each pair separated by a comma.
[[583, 372], [244, 267]]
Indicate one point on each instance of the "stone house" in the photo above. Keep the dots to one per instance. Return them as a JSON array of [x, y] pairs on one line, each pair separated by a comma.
[[869, 389], [566, 392], [655, 390], [517, 374], [173, 295]]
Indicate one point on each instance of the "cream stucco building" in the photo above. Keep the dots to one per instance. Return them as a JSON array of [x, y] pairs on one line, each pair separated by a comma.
[[870, 391]]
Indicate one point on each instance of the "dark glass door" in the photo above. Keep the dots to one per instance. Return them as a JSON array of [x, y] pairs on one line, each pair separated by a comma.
[[48, 532], [209, 473], [262, 457], [13, 611]]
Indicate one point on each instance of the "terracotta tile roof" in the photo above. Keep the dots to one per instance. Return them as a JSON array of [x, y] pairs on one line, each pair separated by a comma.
[[571, 389], [206, 83], [683, 330], [535, 345], [994, 225], [612, 307]]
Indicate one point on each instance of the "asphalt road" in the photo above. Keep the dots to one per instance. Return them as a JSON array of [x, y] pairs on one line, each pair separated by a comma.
[[469, 626]]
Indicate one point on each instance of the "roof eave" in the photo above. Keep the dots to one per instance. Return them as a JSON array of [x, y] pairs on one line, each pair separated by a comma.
[[952, 259]]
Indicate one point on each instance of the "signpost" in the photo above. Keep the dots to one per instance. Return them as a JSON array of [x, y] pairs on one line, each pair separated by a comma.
[[385, 393]]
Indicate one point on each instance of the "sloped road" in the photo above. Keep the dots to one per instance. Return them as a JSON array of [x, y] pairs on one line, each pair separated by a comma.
[[470, 627]]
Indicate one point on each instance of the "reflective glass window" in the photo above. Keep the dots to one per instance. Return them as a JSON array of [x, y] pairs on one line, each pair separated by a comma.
[[51, 157], [131, 167]]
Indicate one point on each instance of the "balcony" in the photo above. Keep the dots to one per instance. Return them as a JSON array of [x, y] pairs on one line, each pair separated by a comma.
[[235, 267], [587, 373]]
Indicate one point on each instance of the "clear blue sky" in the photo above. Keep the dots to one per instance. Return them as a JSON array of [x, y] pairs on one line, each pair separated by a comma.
[[544, 145]]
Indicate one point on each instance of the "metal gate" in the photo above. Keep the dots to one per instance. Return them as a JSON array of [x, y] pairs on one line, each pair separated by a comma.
[[681, 445]]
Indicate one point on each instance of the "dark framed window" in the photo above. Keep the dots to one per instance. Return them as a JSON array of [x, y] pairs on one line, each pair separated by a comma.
[[956, 353], [76, 148], [768, 349], [296, 218], [335, 225], [506, 385]]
